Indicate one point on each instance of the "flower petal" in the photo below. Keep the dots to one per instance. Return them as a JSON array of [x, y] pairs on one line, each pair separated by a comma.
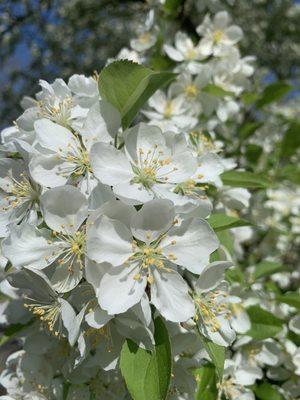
[[27, 246], [193, 242], [109, 240], [109, 165], [152, 220], [52, 136], [119, 291], [64, 208], [169, 294]]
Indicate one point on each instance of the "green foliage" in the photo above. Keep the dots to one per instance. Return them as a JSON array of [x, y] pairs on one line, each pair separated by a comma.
[[147, 374], [263, 324], [291, 140], [266, 391], [216, 91], [244, 179], [248, 129], [216, 353], [220, 222], [12, 331], [272, 93], [291, 298], [266, 268], [127, 86], [207, 389]]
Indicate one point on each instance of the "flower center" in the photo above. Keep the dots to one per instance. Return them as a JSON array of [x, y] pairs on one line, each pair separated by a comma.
[[229, 389], [191, 54], [209, 307], [148, 166], [191, 90], [168, 110], [218, 36], [145, 38], [48, 313], [150, 256], [78, 156], [190, 188], [59, 112], [201, 143], [20, 193], [72, 248]]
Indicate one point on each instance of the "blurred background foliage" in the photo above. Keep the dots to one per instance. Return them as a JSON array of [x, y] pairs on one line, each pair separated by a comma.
[[49, 39]]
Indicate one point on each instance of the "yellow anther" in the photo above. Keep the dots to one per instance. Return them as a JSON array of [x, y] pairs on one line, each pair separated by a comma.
[[137, 277]]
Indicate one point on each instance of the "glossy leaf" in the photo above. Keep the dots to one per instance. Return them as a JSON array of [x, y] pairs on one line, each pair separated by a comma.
[[220, 222], [127, 86], [147, 374], [263, 324]]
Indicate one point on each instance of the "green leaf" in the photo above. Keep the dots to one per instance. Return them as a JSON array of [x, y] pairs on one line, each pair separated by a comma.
[[127, 86], [263, 324], [235, 275], [248, 129], [245, 179], [216, 353], [291, 298], [226, 240], [266, 268], [220, 222], [249, 98], [266, 391], [291, 140], [12, 331], [290, 172], [147, 374], [216, 91], [272, 93], [172, 7], [207, 389], [253, 153]]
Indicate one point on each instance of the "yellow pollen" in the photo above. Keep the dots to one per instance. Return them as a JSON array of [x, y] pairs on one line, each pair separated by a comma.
[[217, 36], [191, 90], [191, 54], [169, 108]]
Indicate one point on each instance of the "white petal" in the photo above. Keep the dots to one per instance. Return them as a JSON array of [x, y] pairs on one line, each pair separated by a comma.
[[153, 219], [158, 101], [194, 241], [97, 318], [212, 275], [47, 170], [110, 165], [248, 375], [82, 85], [145, 137], [181, 168], [102, 123], [100, 195], [52, 136], [173, 53], [169, 294], [210, 167], [233, 34], [64, 208], [224, 336], [94, 273], [132, 193], [116, 209], [221, 20], [26, 246], [109, 240], [119, 291], [65, 279]]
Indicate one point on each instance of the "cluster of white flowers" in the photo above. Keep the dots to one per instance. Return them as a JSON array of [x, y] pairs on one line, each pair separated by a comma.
[[102, 229]]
